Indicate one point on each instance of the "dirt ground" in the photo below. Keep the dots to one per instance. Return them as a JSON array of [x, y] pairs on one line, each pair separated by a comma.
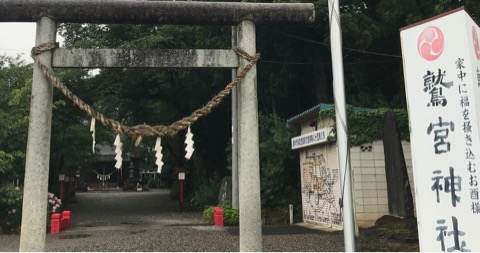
[[151, 221]]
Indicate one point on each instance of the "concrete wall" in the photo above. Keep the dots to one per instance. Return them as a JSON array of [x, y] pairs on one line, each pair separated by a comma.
[[369, 181]]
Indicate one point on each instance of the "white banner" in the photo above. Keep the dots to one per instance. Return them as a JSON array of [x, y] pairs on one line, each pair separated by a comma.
[[441, 59]]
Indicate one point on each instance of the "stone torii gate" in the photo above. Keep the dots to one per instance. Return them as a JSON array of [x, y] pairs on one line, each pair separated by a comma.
[[243, 16]]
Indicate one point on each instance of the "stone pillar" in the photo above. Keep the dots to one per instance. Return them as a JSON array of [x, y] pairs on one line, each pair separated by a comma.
[[234, 130], [248, 144], [34, 211]]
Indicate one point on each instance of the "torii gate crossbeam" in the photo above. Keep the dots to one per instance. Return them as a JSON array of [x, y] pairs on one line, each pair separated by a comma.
[[155, 12]]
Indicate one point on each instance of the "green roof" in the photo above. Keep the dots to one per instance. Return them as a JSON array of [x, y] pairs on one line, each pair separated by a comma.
[[313, 112]]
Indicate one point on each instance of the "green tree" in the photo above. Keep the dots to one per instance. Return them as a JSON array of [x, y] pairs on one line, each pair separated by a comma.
[[280, 177], [15, 80]]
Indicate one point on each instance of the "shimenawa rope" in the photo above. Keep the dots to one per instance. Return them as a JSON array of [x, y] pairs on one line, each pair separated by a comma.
[[143, 130]]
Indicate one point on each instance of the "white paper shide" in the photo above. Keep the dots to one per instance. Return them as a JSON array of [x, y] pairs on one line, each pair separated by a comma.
[[118, 152], [189, 142], [158, 154], [92, 130]]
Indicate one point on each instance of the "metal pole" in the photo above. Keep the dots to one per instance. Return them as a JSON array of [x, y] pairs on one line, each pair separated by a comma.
[[234, 131], [35, 192], [342, 125], [248, 153]]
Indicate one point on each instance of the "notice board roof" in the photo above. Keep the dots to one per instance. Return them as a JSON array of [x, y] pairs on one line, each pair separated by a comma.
[[312, 113]]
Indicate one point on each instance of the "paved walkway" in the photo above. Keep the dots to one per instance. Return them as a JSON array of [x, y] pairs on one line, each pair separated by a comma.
[[150, 221]]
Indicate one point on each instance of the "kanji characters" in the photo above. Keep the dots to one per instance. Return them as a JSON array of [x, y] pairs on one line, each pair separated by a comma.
[[433, 84], [449, 184], [441, 134], [473, 181], [476, 207], [474, 194], [460, 66], [444, 234]]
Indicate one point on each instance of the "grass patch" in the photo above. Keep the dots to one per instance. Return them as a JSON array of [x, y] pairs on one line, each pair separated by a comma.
[[390, 234]]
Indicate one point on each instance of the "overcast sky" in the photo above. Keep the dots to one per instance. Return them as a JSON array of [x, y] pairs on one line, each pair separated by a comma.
[[17, 38]]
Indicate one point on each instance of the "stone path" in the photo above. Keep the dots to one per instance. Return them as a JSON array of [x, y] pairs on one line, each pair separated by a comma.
[[150, 221]]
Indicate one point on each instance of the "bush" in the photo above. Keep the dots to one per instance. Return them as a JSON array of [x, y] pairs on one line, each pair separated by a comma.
[[10, 208], [208, 214], [230, 215], [205, 195]]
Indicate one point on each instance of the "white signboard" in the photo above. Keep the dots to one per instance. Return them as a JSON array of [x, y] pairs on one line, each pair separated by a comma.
[[441, 60], [181, 175], [320, 180], [319, 136]]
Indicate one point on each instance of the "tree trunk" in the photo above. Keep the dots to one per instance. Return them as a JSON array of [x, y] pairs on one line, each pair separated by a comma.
[[321, 84]]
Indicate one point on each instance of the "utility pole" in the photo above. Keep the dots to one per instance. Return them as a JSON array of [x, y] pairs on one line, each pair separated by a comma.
[[342, 125]]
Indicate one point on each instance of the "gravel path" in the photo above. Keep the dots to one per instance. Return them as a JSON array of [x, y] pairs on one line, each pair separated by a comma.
[[150, 221]]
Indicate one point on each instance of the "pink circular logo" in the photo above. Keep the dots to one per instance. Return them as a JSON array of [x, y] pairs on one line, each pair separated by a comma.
[[430, 43], [476, 44]]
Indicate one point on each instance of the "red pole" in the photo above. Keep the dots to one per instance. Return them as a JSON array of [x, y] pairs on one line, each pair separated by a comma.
[[180, 197], [62, 190], [61, 178]]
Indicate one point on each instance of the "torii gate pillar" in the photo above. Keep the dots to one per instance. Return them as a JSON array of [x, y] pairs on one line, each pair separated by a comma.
[[35, 192], [248, 149]]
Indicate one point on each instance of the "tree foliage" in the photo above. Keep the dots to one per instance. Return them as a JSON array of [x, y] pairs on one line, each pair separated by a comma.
[[280, 180], [15, 80], [367, 125]]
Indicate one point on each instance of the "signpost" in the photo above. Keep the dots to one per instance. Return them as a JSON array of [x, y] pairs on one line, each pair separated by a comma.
[[181, 179], [310, 139], [441, 67], [62, 180]]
